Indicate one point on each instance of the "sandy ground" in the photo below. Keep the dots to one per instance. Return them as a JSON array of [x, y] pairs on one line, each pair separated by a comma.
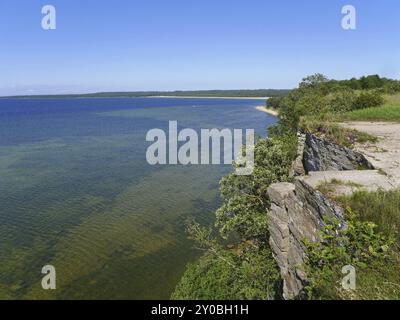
[[350, 181], [267, 110], [385, 153]]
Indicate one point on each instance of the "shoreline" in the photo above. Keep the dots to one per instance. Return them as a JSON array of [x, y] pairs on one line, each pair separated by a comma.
[[270, 111], [204, 97], [127, 97]]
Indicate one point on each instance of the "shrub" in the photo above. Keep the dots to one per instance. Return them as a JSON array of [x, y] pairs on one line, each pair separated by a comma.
[[245, 197], [342, 100], [368, 99], [248, 273], [324, 127], [358, 245], [392, 87], [301, 102], [275, 102], [241, 266], [380, 207]]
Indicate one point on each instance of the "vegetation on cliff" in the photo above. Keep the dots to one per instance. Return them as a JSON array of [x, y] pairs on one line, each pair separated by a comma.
[[370, 243], [238, 264], [360, 245], [390, 111]]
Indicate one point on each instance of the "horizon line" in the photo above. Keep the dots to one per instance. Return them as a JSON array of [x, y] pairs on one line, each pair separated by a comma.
[[151, 93]]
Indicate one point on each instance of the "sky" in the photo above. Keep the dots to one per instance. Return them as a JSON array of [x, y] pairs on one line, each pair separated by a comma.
[[132, 45]]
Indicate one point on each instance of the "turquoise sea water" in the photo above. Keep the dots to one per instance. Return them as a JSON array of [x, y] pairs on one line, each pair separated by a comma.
[[76, 192]]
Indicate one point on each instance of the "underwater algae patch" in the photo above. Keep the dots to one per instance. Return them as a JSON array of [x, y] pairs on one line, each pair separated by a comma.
[[124, 233]]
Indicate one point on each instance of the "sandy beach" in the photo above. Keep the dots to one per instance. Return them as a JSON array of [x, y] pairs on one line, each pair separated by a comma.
[[272, 112]]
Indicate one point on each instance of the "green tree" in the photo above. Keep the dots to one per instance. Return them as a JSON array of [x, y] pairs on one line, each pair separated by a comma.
[[313, 81]]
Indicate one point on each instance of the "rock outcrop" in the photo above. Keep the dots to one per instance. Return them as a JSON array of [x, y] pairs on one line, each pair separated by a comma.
[[322, 155], [298, 209], [297, 213], [297, 166]]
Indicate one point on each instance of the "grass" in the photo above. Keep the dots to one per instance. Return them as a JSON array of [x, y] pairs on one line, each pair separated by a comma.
[[380, 278], [328, 187], [390, 111], [325, 125], [326, 128], [380, 207]]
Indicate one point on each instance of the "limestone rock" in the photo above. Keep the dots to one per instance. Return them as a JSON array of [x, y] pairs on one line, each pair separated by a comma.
[[297, 166], [322, 155], [298, 209], [297, 213]]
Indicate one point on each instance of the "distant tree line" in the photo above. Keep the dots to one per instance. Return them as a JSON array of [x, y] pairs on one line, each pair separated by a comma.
[[259, 93], [368, 83]]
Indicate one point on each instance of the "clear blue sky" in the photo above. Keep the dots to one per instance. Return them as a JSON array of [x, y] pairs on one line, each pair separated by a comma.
[[104, 45]]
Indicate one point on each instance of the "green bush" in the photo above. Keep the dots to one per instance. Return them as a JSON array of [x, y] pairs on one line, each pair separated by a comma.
[[241, 266], [301, 102], [381, 207], [316, 95], [248, 273], [274, 102], [245, 198], [392, 87], [342, 100], [368, 99], [358, 244]]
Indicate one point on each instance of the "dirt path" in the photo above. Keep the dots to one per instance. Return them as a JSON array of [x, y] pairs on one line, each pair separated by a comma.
[[385, 153]]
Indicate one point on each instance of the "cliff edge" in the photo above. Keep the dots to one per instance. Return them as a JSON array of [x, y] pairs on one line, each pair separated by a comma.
[[298, 209]]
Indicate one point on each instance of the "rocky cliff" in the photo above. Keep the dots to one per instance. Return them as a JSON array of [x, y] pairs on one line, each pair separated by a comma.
[[322, 155], [298, 209], [297, 213]]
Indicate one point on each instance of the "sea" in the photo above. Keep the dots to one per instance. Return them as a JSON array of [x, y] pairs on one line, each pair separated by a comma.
[[77, 193]]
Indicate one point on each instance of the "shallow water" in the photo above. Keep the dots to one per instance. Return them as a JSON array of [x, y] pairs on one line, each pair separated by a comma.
[[76, 192]]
